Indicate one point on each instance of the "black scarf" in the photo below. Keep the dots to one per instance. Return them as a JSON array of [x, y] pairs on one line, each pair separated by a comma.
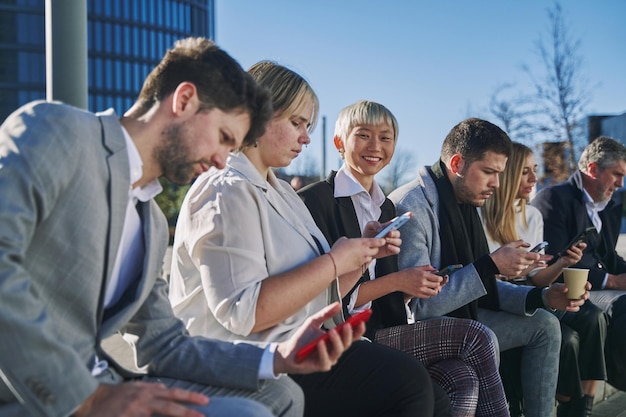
[[463, 240]]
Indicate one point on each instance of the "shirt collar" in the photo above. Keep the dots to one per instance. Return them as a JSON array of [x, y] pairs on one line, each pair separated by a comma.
[[148, 191], [346, 185], [591, 205]]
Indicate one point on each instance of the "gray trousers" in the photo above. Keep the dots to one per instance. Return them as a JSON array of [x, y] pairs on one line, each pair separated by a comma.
[[613, 303], [280, 397], [540, 337], [605, 299]]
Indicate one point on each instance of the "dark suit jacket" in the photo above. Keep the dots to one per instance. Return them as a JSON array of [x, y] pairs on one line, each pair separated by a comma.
[[565, 216], [336, 217]]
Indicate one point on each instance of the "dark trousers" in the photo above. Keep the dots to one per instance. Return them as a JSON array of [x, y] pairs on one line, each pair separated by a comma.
[[582, 349], [373, 380], [616, 345], [614, 304]]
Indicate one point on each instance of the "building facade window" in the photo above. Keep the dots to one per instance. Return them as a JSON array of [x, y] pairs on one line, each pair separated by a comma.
[[126, 39]]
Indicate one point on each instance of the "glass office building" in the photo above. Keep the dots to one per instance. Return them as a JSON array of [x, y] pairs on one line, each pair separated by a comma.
[[125, 40]]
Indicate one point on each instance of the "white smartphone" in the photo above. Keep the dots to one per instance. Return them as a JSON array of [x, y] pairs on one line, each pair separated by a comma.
[[395, 224]]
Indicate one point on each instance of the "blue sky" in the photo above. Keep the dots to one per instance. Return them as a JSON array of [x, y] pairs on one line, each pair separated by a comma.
[[432, 63]]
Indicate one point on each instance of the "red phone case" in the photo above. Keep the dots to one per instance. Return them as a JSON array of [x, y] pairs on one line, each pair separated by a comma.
[[360, 317]]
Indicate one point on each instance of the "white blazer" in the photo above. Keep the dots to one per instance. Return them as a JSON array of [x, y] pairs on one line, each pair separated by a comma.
[[234, 230]]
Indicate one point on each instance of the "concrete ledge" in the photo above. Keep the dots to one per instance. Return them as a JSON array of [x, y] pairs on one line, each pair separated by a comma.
[[604, 391]]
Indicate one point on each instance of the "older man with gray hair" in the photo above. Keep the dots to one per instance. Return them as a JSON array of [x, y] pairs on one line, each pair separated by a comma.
[[587, 199]]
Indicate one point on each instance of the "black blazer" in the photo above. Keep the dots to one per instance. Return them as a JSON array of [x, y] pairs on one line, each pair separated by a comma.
[[336, 217], [565, 215]]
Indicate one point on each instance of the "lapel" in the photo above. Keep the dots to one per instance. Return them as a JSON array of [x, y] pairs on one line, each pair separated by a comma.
[[277, 195], [152, 253], [153, 233], [118, 165], [346, 211], [348, 217], [578, 203]]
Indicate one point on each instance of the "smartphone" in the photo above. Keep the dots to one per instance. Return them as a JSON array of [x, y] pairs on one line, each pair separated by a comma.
[[582, 237], [360, 317], [448, 270], [395, 224], [540, 246]]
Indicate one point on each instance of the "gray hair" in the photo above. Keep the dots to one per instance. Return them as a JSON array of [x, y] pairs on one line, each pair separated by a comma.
[[604, 151]]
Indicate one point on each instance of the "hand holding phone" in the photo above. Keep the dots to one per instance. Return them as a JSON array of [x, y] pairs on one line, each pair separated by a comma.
[[448, 270], [395, 224], [539, 247], [581, 237], [354, 320]]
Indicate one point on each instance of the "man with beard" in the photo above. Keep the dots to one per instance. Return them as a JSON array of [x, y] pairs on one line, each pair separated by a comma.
[[446, 230], [82, 246], [585, 200]]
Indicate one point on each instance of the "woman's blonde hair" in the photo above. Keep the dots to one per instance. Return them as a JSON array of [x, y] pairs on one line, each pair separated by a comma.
[[289, 90], [499, 210]]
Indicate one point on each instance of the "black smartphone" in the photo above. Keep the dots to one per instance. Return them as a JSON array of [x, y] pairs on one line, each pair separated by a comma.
[[448, 270], [540, 246], [581, 237]]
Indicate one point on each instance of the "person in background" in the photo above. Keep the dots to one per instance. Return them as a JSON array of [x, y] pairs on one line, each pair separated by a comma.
[[446, 229], [460, 354], [587, 199], [82, 248], [296, 183], [506, 218], [249, 263]]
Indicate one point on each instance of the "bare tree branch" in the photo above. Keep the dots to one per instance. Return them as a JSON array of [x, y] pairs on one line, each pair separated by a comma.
[[402, 168], [562, 92], [514, 111]]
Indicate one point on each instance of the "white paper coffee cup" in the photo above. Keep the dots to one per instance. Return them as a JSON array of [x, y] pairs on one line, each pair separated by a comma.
[[575, 280]]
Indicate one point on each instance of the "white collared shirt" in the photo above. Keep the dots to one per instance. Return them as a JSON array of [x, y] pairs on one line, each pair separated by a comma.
[[594, 209], [367, 207], [130, 254]]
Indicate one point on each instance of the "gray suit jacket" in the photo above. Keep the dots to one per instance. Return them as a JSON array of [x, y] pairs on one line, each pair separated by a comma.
[[421, 245], [64, 181]]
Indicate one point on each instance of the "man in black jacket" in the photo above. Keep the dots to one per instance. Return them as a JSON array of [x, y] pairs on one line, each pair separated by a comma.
[[587, 199]]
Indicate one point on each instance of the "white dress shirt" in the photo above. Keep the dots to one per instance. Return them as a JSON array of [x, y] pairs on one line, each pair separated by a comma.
[[130, 254], [531, 232], [593, 211], [367, 207]]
